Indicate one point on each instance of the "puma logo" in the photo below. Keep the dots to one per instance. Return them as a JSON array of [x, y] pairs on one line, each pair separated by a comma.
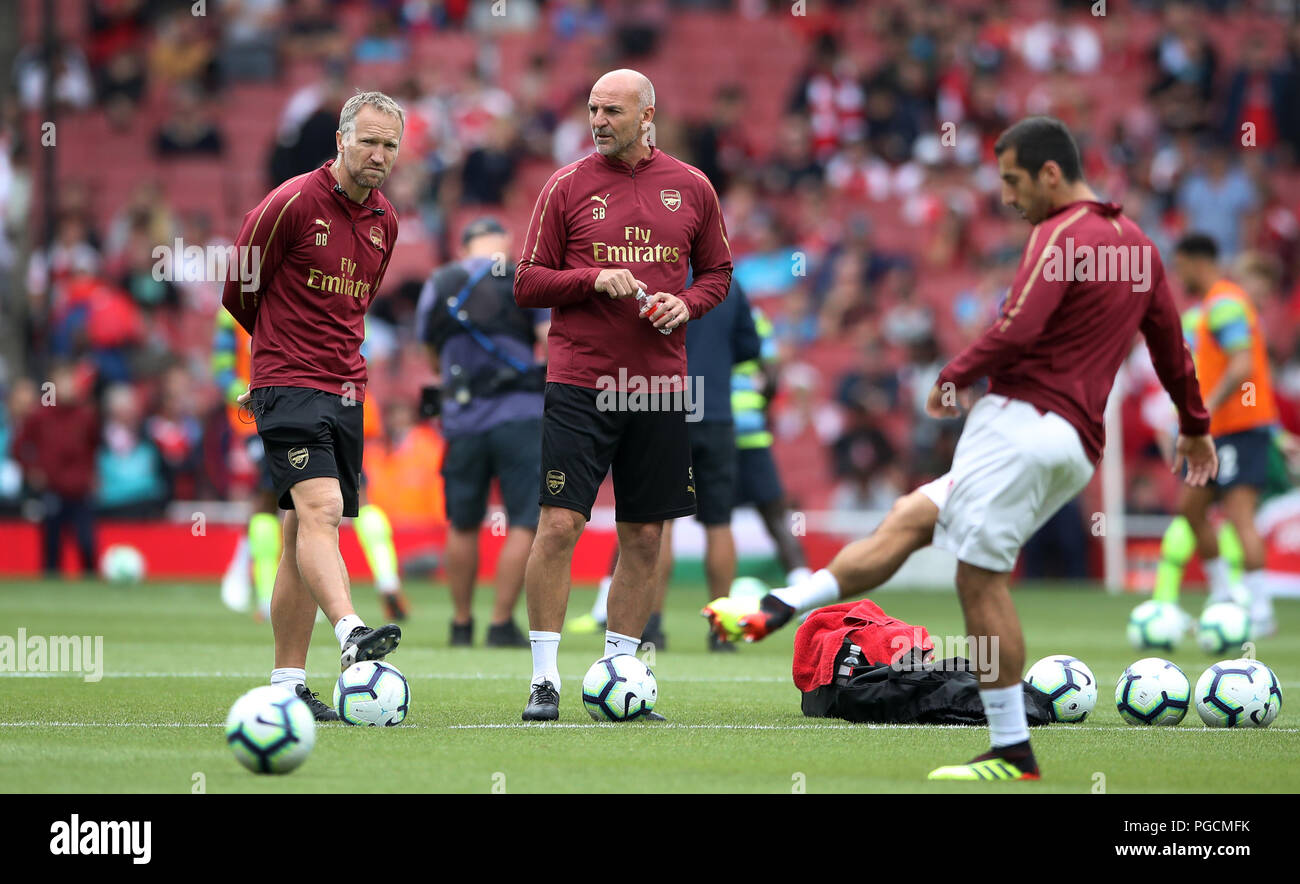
[[325, 224], [602, 200]]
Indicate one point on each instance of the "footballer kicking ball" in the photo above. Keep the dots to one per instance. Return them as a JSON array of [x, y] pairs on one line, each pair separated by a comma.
[[1153, 691], [1238, 693], [1222, 628], [372, 694], [1068, 683], [270, 730], [619, 688], [121, 563], [1156, 624]]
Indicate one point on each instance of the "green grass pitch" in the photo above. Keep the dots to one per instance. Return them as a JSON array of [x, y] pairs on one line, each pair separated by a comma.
[[175, 660]]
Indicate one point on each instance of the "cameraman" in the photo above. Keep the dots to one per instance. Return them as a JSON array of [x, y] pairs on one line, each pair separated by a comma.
[[484, 349]]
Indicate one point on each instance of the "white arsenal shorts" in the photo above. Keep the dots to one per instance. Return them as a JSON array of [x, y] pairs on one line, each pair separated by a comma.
[[1014, 467]]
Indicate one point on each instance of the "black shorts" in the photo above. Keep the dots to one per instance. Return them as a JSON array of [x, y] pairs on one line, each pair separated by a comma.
[[310, 434], [649, 451], [512, 452], [757, 482], [713, 460], [1243, 458]]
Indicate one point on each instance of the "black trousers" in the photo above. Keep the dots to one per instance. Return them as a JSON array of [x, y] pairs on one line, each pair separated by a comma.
[[62, 513]]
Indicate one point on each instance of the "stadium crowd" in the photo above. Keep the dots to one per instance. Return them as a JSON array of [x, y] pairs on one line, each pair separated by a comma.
[[865, 221]]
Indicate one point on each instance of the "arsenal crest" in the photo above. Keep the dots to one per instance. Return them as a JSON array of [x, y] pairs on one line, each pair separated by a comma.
[[554, 481], [298, 457], [672, 199], [377, 237]]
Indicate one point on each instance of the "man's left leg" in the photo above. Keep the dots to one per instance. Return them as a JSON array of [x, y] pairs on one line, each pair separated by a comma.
[[632, 590], [990, 614]]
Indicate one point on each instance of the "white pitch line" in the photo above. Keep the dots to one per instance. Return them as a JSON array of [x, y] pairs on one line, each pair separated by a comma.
[[655, 726]]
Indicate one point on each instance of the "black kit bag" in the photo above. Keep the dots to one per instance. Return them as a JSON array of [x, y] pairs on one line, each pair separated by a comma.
[[909, 692]]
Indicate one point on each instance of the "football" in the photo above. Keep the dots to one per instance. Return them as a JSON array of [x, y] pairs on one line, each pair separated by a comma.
[[372, 694], [619, 688], [121, 563], [270, 730], [1068, 683], [1223, 627], [1152, 691], [1238, 693], [748, 588], [1156, 624]]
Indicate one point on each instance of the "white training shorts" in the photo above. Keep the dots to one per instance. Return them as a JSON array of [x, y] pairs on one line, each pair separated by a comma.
[[1014, 467]]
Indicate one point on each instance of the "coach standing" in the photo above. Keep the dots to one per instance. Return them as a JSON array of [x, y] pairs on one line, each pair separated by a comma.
[[625, 218], [319, 244]]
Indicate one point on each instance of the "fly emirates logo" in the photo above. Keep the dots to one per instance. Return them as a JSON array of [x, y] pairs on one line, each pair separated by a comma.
[[638, 249], [340, 283]]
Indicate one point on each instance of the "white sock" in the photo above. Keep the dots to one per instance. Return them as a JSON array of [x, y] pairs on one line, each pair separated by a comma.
[[344, 627], [388, 583], [1261, 603], [546, 647], [1220, 577], [821, 588], [1005, 710], [617, 643], [289, 677], [798, 575], [600, 610]]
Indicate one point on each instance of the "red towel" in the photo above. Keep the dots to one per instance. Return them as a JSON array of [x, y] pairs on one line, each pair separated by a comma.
[[883, 639]]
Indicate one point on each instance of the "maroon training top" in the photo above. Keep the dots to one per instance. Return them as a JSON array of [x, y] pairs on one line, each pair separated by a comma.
[[1059, 340], [659, 220], [60, 441], [322, 259]]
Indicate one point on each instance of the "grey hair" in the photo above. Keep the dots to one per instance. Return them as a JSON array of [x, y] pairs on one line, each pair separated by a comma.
[[378, 100]]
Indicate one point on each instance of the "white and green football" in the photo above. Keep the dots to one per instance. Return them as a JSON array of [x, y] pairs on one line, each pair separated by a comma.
[[1068, 683], [1156, 625], [270, 730], [1223, 628], [1238, 693], [122, 563], [372, 693], [1153, 691], [619, 688]]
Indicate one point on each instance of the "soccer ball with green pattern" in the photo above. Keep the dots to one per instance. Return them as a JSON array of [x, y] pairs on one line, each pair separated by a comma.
[[747, 588], [1068, 683], [270, 730], [1238, 693], [1222, 628], [1156, 624], [121, 563], [372, 694], [619, 688], [1153, 691]]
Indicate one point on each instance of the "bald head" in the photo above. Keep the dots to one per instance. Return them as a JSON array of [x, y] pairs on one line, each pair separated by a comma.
[[621, 110]]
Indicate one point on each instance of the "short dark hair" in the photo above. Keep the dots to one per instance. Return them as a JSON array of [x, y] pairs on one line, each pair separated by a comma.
[[1039, 139], [1198, 245]]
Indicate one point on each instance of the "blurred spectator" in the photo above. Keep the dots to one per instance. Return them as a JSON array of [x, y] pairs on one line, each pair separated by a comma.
[[118, 33], [906, 322], [306, 137], [250, 33], [1059, 549], [19, 400], [183, 52], [177, 434], [191, 130], [128, 467], [1216, 196], [718, 145], [770, 268], [829, 95], [404, 469], [1255, 96], [1056, 43], [56, 448], [74, 88], [48, 270], [637, 26], [383, 41], [574, 19], [490, 167], [1186, 63], [312, 32]]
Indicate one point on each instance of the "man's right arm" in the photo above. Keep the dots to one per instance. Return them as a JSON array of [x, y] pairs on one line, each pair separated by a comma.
[[1162, 329], [539, 279], [264, 237]]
